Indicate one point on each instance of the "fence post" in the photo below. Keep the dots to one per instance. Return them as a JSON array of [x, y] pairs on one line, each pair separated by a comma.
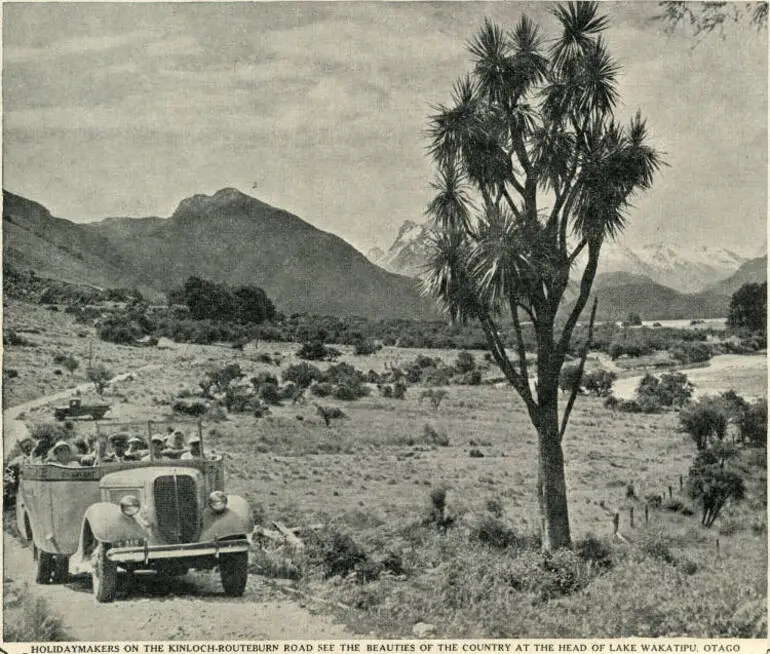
[[615, 524], [631, 516], [681, 483], [717, 547], [670, 492], [646, 514]]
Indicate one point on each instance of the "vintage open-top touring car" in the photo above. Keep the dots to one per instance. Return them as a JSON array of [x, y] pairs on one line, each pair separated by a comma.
[[160, 514]]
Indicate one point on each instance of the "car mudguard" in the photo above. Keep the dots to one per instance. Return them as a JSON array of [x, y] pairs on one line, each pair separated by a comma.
[[236, 520], [107, 523]]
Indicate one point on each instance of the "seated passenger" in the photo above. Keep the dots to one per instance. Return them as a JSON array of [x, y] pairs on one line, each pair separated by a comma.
[[119, 443], [157, 445], [62, 454], [137, 448], [195, 451], [175, 445], [80, 447]]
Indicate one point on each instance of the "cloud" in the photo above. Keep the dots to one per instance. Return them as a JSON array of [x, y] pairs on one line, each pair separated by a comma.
[[69, 47]]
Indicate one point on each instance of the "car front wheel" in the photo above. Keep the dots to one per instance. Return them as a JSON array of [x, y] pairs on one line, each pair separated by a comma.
[[104, 574], [234, 572]]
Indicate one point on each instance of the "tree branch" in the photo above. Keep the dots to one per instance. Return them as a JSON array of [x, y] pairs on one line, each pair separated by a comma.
[[521, 349], [585, 290], [579, 376], [520, 383]]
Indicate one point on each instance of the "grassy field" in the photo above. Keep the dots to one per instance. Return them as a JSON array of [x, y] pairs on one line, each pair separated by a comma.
[[369, 477]]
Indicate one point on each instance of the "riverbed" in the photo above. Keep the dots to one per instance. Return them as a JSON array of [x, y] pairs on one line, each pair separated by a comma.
[[746, 374]]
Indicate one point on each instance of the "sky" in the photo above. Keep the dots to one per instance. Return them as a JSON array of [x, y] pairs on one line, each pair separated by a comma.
[[124, 109]]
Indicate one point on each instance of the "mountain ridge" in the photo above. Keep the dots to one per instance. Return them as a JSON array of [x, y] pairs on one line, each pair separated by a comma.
[[227, 237]]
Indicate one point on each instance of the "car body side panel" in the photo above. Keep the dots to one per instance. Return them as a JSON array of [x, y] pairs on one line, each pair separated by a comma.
[[55, 510], [235, 521]]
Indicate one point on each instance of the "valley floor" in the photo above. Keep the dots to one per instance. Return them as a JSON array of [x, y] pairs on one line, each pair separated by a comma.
[[370, 476]]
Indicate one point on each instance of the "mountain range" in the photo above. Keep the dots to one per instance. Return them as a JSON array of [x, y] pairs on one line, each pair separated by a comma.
[[664, 281], [684, 269], [237, 239], [228, 237]]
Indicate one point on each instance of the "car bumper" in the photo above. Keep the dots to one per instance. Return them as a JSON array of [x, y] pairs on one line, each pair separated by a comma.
[[147, 553]]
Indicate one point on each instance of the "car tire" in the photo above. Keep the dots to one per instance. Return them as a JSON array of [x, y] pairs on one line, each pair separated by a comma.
[[234, 572], [61, 570], [45, 565], [104, 575]]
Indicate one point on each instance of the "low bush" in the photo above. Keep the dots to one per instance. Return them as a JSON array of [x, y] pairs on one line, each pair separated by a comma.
[[10, 337], [28, 619], [303, 374], [753, 424], [595, 551], [365, 347], [317, 351], [495, 532], [704, 421], [195, 408], [599, 382], [434, 436]]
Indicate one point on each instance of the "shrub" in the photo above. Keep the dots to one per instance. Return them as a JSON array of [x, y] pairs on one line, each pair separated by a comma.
[[223, 376], [465, 362], [339, 553], [493, 531], [365, 347], [570, 375], [594, 551], [703, 421], [712, 485], [317, 351], [99, 376], [190, 408], [673, 389], [657, 545], [472, 378], [399, 390], [434, 437], [753, 424], [30, 619], [548, 576], [70, 364], [264, 378], [12, 373], [10, 337], [599, 382], [270, 393], [303, 374], [322, 389], [350, 389], [691, 352]]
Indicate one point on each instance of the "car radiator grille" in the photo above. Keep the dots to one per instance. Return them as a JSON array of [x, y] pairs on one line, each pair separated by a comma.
[[176, 508]]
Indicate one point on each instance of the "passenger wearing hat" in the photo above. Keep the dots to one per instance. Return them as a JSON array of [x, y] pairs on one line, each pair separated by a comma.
[[175, 444], [119, 443], [195, 451], [61, 454], [157, 445], [137, 448]]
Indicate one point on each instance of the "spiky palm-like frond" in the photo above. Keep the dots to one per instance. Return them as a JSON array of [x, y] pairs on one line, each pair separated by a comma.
[[451, 208], [452, 126], [449, 280], [580, 22], [499, 257], [619, 164]]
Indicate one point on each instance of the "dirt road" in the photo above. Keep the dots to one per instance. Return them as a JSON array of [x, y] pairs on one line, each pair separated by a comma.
[[191, 607]]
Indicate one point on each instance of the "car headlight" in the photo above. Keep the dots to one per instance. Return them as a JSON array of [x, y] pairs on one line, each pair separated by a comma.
[[129, 505], [218, 501]]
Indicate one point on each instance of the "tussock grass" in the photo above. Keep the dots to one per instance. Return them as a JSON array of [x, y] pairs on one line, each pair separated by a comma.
[[27, 618]]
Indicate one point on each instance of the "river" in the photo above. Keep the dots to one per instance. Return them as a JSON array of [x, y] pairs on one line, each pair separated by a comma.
[[746, 374]]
